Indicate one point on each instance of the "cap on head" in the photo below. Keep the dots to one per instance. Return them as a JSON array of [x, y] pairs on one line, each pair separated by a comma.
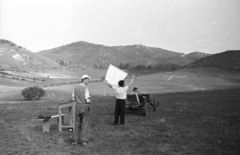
[[85, 77]]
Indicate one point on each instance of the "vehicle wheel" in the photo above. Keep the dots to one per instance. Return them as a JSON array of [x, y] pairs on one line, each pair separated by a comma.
[[156, 104], [146, 109]]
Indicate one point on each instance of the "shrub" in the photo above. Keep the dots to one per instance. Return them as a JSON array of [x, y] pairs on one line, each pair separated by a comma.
[[35, 92]]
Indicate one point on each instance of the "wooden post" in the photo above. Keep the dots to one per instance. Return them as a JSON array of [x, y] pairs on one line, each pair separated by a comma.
[[71, 107]]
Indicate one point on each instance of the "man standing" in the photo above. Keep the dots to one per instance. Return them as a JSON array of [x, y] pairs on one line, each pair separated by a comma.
[[82, 122], [121, 95]]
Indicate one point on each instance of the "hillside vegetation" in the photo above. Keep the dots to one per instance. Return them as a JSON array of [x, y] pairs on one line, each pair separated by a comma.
[[86, 55], [83, 55], [226, 60], [197, 55]]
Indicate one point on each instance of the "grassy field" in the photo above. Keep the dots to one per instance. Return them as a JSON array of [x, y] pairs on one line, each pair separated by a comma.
[[199, 122], [198, 114]]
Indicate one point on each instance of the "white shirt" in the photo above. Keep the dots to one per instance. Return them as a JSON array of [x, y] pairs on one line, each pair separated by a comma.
[[134, 93], [121, 92]]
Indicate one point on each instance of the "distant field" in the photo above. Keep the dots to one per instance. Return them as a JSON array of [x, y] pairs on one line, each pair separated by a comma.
[[181, 80], [38, 74]]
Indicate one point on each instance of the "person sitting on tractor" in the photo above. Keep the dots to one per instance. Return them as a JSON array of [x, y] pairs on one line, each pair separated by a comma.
[[136, 92]]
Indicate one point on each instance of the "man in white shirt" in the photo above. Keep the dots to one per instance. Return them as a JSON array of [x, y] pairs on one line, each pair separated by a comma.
[[121, 95]]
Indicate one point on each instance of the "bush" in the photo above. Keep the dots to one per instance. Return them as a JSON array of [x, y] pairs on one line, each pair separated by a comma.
[[35, 92]]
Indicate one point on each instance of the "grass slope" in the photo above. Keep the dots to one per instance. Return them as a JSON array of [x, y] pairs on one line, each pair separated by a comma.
[[200, 122], [226, 60]]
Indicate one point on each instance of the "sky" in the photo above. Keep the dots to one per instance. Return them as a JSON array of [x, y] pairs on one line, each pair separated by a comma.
[[185, 26]]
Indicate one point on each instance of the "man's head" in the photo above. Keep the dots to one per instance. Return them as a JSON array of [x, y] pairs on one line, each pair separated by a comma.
[[121, 83], [135, 89], [85, 79]]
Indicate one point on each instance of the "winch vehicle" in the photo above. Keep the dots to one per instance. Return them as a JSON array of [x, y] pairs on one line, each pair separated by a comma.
[[141, 102]]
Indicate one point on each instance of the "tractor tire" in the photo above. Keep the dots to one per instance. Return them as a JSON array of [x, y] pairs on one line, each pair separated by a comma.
[[156, 104]]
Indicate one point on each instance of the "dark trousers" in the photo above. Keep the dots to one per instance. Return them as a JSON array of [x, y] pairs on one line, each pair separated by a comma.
[[120, 111]]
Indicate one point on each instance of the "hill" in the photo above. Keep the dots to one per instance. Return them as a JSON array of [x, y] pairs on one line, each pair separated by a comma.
[[87, 55], [197, 55], [226, 60], [14, 57]]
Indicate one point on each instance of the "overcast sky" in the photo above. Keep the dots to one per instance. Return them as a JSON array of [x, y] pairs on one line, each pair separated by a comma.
[[185, 26]]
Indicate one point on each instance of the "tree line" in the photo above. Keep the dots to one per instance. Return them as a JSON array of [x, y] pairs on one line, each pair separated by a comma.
[[163, 67]]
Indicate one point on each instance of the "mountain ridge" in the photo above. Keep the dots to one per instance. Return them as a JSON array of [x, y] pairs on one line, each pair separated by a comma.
[[88, 55]]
